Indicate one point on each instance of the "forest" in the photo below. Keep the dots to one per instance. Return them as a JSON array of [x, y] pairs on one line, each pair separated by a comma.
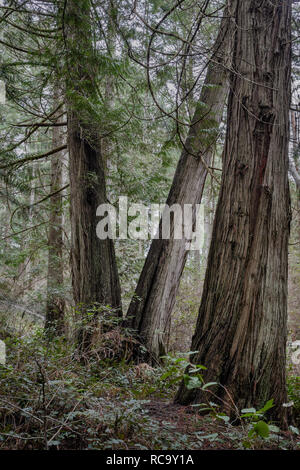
[[149, 225]]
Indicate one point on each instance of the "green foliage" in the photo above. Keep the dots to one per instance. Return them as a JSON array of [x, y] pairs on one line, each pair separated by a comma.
[[253, 427], [293, 389], [49, 399], [175, 366]]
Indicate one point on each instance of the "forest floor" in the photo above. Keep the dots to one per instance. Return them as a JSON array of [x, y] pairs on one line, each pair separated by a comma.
[[211, 434], [49, 400]]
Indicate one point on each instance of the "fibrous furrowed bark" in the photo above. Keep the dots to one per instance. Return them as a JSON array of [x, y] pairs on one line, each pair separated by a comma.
[[94, 270], [151, 307], [242, 324], [55, 296]]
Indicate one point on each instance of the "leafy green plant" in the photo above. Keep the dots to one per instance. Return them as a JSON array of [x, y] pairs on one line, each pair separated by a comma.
[[259, 428], [176, 366], [293, 389]]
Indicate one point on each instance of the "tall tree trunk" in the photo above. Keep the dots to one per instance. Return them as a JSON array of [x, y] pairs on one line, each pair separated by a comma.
[[94, 271], [151, 307], [242, 324], [55, 297]]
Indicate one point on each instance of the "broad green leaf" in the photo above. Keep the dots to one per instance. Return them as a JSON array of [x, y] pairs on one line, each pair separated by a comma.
[[225, 418], [193, 382], [209, 384], [294, 430], [261, 428], [274, 428], [248, 410], [267, 406]]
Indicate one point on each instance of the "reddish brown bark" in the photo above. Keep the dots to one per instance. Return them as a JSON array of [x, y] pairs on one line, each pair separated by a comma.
[[55, 296], [94, 270], [151, 307], [242, 323]]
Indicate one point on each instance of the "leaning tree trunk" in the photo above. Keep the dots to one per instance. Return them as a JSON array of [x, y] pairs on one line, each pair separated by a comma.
[[94, 271], [151, 307], [55, 296], [242, 324]]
